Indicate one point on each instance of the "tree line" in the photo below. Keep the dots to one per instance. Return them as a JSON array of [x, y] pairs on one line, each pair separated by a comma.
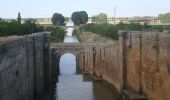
[[99, 24], [165, 18], [79, 17], [15, 27]]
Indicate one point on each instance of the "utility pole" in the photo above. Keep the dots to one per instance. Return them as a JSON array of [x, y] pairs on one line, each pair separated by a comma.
[[164, 27], [114, 15]]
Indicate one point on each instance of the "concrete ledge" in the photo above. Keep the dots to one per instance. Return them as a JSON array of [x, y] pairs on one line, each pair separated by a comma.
[[130, 95]]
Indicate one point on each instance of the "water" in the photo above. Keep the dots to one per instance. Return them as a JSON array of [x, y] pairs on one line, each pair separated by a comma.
[[68, 64], [69, 38], [73, 86]]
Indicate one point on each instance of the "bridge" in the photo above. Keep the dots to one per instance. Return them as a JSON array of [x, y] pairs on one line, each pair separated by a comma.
[[73, 48], [77, 49], [62, 48]]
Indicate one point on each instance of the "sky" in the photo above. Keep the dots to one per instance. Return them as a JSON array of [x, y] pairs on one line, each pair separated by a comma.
[[46, 8]]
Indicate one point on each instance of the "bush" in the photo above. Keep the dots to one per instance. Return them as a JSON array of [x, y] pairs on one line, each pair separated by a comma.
[[57, 34], [106, 30], [15, 28], [160, 29], [101, 18], [130, 27]]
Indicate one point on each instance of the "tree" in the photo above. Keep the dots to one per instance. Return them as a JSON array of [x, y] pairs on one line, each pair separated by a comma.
[[80, 17], [19, 18], [58, 19], [146, 26], [30, 26], [102, 18], [15, 28], [165, 18], [57, 34], [0, 19]]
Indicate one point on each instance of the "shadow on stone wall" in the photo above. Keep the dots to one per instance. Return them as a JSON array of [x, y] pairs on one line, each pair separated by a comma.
[[24, 66]]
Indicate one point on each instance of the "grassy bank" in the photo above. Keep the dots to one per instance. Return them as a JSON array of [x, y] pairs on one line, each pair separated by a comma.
[[111, 32], [91, 37], [103, 30]]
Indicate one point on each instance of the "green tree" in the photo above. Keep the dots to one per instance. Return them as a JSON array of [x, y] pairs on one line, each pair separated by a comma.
[[80, 17], [19, 18], [29, 26], [0, 19], [165, 18], [102, 18], [15, 28], [57, 34], [146, 26], [58, 19]]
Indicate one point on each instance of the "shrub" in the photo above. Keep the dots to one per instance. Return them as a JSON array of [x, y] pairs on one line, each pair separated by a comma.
[[106, 30], [57, 34], [15, 28]]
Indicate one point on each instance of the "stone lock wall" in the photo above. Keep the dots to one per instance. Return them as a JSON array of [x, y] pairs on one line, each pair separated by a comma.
[[23, 66], [105, 61], [147, 59], [138, 61]]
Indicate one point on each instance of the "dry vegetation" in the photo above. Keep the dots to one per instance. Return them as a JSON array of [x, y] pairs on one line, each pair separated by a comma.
[[91, 37]]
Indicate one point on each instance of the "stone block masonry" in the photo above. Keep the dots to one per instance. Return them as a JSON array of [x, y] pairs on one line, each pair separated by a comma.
[[147, 58], [24, 66], [139, 62], [105, 61]]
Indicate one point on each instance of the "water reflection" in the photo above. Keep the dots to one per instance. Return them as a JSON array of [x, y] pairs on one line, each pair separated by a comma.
[[69, 39], [69, 31], [72, 87], [68, 64], [103, 91]]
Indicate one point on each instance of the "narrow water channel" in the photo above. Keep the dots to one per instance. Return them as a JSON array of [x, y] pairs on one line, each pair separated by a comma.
[[72, 85]]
